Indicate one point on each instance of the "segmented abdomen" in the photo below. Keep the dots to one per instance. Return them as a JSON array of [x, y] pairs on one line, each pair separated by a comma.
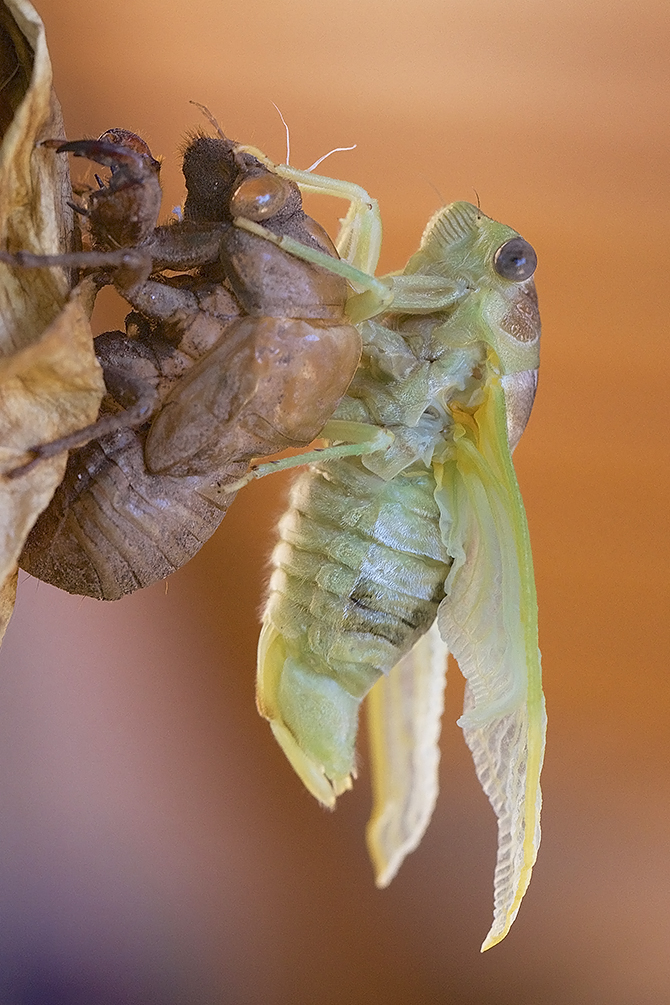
[[359, 570], [112, 527]]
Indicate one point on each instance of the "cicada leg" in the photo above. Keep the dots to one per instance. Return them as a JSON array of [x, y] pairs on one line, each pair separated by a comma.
[[360, 236], [381, 288], [360, 438], [145, 401], [414, 294]]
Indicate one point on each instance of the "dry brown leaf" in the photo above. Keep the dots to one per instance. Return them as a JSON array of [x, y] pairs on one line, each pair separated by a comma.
[[46, 390], [7, 598], [50, 381], [34, 191]]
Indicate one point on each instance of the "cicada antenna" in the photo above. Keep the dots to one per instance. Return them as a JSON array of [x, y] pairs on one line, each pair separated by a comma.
[[335, 150], [443, 201], [288, 145], [210, 118], [288, 135]]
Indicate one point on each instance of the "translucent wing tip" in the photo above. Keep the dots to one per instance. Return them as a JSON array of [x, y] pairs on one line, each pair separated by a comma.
[[404, 715], [386, 852], [502, 923], [513, 787], [496, 934]]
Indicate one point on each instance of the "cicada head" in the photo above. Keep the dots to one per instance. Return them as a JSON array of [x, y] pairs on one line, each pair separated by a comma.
[[496, 266]]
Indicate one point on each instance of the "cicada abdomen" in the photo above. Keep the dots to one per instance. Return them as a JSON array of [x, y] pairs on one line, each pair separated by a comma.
[[112, 526], [359, 575]]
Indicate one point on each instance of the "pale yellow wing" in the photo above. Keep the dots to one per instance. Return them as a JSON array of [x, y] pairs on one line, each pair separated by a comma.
[[489, 621], [404, 712]]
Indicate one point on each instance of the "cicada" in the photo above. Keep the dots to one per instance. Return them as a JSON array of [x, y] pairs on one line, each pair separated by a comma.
[[245, 353], [406, 539]]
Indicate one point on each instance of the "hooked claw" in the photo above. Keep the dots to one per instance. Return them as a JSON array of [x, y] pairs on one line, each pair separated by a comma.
[[123, 212], [115, 148]]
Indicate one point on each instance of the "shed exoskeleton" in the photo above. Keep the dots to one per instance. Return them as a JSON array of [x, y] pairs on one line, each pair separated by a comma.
[[246, 355], [406, 539]]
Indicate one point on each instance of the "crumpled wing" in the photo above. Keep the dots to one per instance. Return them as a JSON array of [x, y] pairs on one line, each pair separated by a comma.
[[404, 712], [489, 622]]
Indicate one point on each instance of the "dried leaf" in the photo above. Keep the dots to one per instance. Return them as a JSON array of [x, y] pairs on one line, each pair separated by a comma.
[[7, 598], [50, 381], [34, 193], [46, 390], [16, 60]]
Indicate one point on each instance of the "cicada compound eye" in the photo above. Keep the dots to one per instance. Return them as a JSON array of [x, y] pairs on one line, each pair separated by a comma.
[[515, 260], [260, 198]]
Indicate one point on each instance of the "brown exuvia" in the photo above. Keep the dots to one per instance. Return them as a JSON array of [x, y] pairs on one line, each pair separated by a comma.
[[245, 353]]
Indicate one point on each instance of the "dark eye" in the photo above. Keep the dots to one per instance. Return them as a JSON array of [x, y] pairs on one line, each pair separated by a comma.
[[515, 260], [260, 198]]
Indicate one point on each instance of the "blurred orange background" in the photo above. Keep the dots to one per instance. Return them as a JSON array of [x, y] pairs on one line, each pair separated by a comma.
[[156, 846]]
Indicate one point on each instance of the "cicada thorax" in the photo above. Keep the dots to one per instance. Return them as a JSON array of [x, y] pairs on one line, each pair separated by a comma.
[[359, 574], [270, 385], [306, 351], [282, 369]]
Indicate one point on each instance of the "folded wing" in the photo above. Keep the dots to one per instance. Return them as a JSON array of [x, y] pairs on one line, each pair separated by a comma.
[[404, 712], [489, 622]]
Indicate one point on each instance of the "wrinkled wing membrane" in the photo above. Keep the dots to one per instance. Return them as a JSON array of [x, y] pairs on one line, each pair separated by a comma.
[[489, 621], [404, 712]]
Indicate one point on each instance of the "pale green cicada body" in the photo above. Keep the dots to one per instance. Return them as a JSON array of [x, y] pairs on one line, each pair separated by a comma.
[[406, 539]]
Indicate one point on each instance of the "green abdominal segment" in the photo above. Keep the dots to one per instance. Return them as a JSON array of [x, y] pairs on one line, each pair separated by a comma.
[[359, 574]]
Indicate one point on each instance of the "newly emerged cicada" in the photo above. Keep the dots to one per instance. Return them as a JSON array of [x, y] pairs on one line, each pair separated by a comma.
[[406, 539]]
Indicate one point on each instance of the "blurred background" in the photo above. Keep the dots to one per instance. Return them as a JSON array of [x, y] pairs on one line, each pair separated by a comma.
[[156, 846]]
